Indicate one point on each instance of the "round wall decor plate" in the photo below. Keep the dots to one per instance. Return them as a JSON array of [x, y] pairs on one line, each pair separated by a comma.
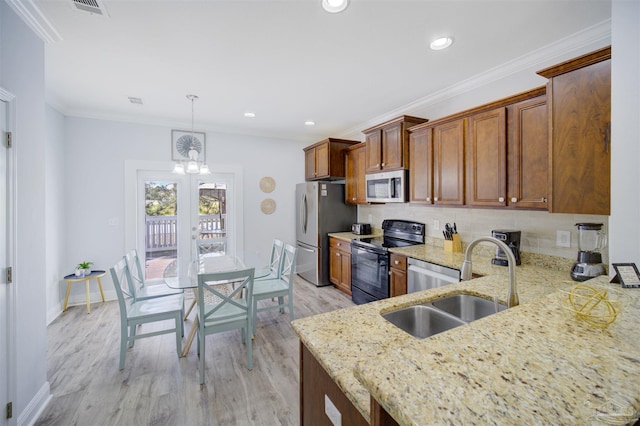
[[267, 184], [268, 206]]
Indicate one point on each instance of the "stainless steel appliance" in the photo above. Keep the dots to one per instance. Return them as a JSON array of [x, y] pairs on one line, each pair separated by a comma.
[[512, 239], [320, 210], [370, 259], [387, 187], [361, 228], [591, 241], [423, 275]]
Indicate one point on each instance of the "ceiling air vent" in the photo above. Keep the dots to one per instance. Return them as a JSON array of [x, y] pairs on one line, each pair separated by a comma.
[[95, 7]]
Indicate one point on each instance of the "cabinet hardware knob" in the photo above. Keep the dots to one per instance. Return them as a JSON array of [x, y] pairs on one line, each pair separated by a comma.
[[435, 199], [339, 244], [428, 198], [514, 200], [354, 199], [377, 164], [501, 199], [543, 199], [338, 254], [397, 262], [382, 164]]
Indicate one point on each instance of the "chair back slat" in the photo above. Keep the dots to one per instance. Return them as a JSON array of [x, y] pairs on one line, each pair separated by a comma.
[[121, 277], [243, 282], [276, 256], [288, 263], [135, 271]]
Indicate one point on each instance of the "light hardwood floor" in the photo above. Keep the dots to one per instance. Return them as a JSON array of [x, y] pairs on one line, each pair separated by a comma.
[[157, 388]]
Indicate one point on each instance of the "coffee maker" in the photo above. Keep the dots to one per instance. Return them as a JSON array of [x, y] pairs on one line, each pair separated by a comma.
[[512, 239], [591, 241]]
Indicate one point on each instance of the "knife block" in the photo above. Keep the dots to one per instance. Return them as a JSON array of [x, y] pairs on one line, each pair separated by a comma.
[[455, 245]]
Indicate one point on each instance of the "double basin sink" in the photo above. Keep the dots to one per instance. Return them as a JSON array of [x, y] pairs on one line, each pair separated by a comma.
[[440, 315]]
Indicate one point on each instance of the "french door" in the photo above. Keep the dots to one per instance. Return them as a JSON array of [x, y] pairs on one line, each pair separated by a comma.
[[180, 214], [4, 264]]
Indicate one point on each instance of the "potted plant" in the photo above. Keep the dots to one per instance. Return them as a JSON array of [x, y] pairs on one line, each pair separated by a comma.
[[83, 269]]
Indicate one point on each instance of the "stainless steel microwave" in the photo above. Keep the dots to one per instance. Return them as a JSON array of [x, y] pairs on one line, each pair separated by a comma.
[[387, 187]]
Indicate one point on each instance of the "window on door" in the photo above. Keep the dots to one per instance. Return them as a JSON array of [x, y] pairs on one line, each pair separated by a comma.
[[182, 217]]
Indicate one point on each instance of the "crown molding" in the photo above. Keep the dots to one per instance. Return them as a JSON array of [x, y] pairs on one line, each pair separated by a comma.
[[540, 58], [31, 14]]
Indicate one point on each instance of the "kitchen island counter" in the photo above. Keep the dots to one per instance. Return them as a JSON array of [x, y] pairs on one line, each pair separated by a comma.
[[531, 363]]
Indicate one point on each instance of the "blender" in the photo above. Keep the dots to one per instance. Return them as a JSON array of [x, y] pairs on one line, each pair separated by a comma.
[[591, 241]]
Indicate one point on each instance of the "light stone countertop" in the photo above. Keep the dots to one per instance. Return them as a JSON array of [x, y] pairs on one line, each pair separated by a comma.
[[534, 363]]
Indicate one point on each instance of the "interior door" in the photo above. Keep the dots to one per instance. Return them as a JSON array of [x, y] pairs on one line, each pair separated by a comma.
[[4, 263], [178, 212]]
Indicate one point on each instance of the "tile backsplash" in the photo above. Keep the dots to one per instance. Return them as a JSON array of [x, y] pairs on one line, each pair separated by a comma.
[[538, 227]]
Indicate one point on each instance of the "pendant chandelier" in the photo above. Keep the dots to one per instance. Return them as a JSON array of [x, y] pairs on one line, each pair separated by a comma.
[[192, 165]]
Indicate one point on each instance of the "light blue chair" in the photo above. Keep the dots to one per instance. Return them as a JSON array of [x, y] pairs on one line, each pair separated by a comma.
[[134, 313], [274, 261], [278, 287], [139, 290], [221, 309]]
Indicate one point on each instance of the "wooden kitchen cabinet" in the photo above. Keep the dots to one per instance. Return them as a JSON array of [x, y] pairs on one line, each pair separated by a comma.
[[398, 274], [486, 158], [448, 163], [340, 264], [579, 97], [421, 166], [324, 160], [528, 154], [316, 386], [387, 144], [355, 189]]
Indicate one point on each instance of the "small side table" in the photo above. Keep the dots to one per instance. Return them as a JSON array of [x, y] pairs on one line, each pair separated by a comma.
[[72, 278]]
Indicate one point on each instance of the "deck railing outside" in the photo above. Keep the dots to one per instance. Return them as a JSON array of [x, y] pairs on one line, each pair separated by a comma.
[[161, 231]]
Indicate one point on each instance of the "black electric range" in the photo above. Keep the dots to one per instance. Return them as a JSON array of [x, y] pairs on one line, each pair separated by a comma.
[[370, 258]]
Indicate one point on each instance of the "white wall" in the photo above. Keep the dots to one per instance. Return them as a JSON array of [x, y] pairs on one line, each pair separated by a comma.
[[625, 133], [56, 207], [22, 74], [95, 155]]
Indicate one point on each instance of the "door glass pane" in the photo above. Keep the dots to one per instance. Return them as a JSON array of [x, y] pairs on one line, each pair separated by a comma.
[[212, 217], [161, 227]]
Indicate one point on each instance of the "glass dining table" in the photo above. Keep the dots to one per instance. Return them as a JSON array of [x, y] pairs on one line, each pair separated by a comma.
[[212, 263]]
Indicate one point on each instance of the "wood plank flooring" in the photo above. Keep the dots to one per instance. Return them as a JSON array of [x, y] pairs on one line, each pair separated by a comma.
[[158, 388]]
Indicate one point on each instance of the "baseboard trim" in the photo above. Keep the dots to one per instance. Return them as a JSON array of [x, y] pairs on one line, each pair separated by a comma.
[[36, 406]]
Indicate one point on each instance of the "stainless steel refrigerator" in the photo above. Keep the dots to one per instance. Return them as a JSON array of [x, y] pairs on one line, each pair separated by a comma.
[[321, 210]]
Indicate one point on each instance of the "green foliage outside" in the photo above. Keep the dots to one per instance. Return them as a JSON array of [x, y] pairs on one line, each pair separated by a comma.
[[160, 200]]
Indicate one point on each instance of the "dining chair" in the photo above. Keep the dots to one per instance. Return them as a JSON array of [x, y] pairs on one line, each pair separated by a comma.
[[274, 261], [134, 313], [278, 287], [229, 311], [139, 290]]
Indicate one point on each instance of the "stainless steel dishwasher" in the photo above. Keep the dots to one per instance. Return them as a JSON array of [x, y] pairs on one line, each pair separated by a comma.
[[423, 275]]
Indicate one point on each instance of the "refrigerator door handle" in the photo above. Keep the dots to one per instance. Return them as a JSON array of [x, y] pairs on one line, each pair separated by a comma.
[[303, 213]]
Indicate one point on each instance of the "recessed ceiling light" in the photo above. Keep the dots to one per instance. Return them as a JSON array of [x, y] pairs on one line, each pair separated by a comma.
[[441, 43], [250, 114], [309, 123], [135, 100], [334, 6]]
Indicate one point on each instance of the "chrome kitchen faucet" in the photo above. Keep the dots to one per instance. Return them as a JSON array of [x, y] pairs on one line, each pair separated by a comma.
[[465, 273]]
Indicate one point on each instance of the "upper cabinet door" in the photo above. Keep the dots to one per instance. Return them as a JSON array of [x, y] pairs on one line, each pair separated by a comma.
[[486, 159], [373, 156], [579, 92], [392, 148], [310, 164], [528, 154], [448, 163], [421, 166]]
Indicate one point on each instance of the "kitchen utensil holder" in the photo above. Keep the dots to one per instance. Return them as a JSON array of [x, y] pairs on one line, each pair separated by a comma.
[[454, 245]]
